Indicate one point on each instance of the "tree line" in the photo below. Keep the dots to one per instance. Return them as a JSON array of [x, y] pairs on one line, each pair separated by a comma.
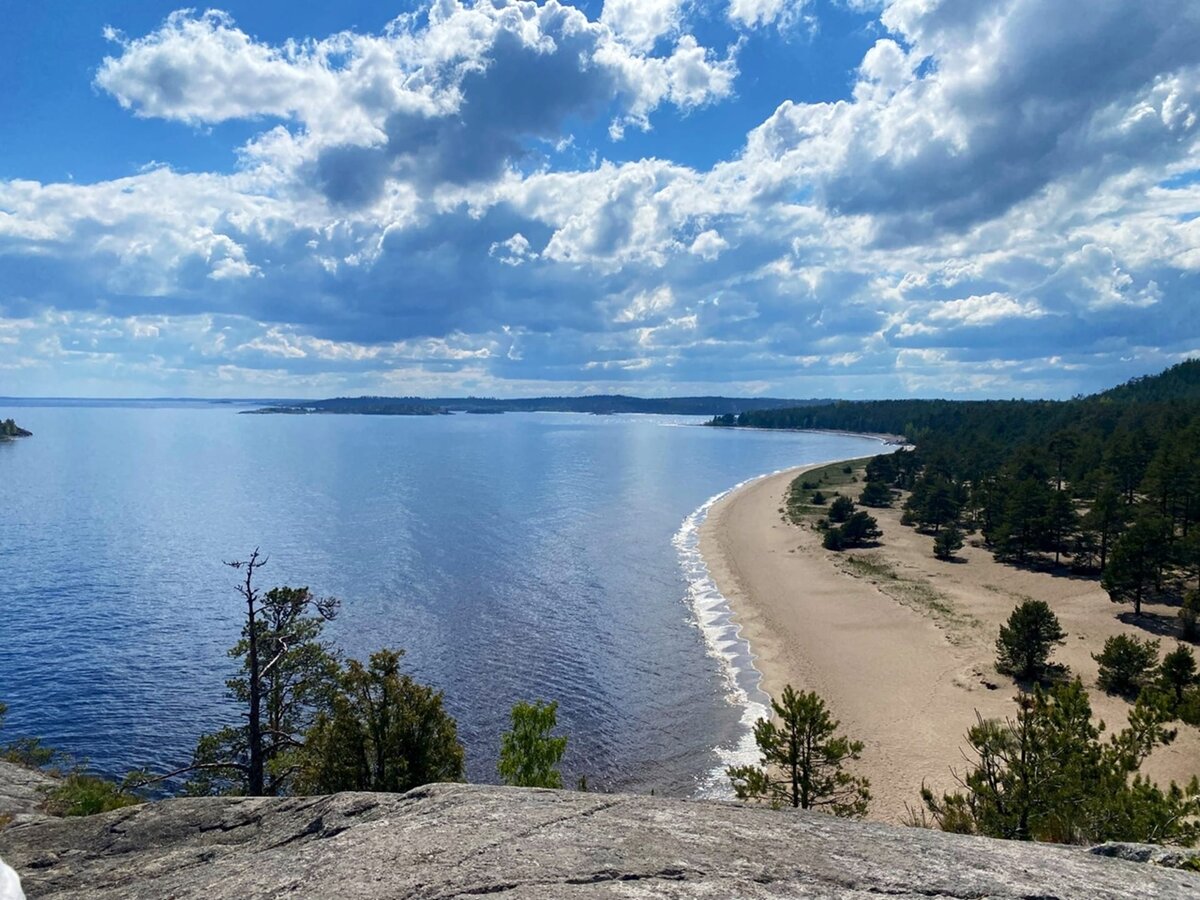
[[1107, 485]]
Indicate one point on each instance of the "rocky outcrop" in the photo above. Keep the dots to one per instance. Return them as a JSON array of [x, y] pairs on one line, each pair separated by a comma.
[[461, 841], [22, 791], [1170, 857]]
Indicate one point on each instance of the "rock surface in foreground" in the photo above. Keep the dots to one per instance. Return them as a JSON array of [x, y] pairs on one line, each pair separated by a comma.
[[457, 840]]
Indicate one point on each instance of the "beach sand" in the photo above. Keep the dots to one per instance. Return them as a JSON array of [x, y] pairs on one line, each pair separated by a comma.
[[900, 645]]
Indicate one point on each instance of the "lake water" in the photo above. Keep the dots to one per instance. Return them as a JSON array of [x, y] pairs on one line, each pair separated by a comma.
[[520, 556]]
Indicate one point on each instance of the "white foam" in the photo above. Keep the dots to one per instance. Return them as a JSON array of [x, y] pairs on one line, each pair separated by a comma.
[[714, 617]]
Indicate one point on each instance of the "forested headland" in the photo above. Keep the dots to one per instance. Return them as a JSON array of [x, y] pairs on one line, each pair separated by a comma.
[[10, 429]]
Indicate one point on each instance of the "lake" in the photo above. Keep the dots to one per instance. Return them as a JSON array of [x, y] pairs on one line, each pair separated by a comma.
[[519, 556]]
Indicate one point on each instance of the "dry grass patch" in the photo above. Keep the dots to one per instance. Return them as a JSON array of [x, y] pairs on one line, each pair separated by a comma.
[[911, 591]]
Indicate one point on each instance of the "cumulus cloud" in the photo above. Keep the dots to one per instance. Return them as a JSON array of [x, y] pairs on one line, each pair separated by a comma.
[[640, 23], [454, 94], [756, 13], [1004, 198]]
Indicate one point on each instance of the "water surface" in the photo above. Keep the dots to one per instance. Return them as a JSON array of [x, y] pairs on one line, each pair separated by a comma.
[[513, 557]]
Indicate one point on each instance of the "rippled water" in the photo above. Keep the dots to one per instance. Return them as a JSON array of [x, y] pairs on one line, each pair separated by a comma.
[[513, 557]]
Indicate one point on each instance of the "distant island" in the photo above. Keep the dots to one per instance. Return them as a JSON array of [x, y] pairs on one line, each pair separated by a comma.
[[10, 429], [597, 404]]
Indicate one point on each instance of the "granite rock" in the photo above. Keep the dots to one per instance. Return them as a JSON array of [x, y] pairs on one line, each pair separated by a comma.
[[446, 841]]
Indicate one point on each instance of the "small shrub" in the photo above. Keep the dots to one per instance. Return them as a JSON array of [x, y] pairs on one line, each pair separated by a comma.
[[809, 485], [841, 509], [948, 541], [86, 795], [1125, 664], [860, 529], [818, 499], [846, 470], [834, 539]]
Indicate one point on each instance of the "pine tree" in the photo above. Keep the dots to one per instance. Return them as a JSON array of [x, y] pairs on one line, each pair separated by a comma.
[[383, 732], [1047, 776], [803, 759], [1027, 639], [1135, 562]]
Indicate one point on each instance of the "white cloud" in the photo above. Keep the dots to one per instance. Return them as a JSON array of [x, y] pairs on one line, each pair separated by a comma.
[[1004, 184], [640, 23], [648, 304], [708, 245], [756, 13]]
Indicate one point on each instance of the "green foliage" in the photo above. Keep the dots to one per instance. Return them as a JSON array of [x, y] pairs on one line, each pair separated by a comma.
[[1043, 480], [876, 494], [294, 674], [530, 754], [817, 499], [802, 760], [1189, 613], [1178, 672], [1126, 664], [859, 530], [28, 752], [382, 732], [1027, 640], [841, 509], [1048, 776], [1136, 561], [947, 542], [80, 794], [935, 501]]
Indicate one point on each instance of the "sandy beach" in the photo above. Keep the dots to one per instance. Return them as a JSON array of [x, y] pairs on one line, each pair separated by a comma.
[[899, 644]]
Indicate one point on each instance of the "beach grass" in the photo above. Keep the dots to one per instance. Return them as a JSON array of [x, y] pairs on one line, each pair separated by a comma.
[[911, 591], [830, 480]]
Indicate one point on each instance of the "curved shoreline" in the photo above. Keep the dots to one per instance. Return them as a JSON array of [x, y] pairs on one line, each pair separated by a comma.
[[904, 678], [717, 621], [884, 669]]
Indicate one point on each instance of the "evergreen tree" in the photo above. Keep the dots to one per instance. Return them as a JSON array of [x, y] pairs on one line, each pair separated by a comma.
[[530, 754], [1178, 672], [1126, 663], [1061, 524], [1189, 612], [1103, 521], [803, 760], [1047, 776], [840, 509], [876, 494], [947, 543], [860, 529], [383, 732], [1027, 640], [286, 675], [1136, 559], [1022, 526]]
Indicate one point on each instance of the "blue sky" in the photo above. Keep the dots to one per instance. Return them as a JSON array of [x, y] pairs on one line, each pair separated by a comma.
[[831, 197]]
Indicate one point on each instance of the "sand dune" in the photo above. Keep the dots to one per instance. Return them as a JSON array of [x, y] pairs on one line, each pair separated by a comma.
[[901, 645]]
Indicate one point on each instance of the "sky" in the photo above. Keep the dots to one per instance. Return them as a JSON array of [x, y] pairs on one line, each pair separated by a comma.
[[800, 198]]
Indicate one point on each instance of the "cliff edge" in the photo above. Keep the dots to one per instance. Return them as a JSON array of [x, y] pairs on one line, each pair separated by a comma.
[[446, 841]]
